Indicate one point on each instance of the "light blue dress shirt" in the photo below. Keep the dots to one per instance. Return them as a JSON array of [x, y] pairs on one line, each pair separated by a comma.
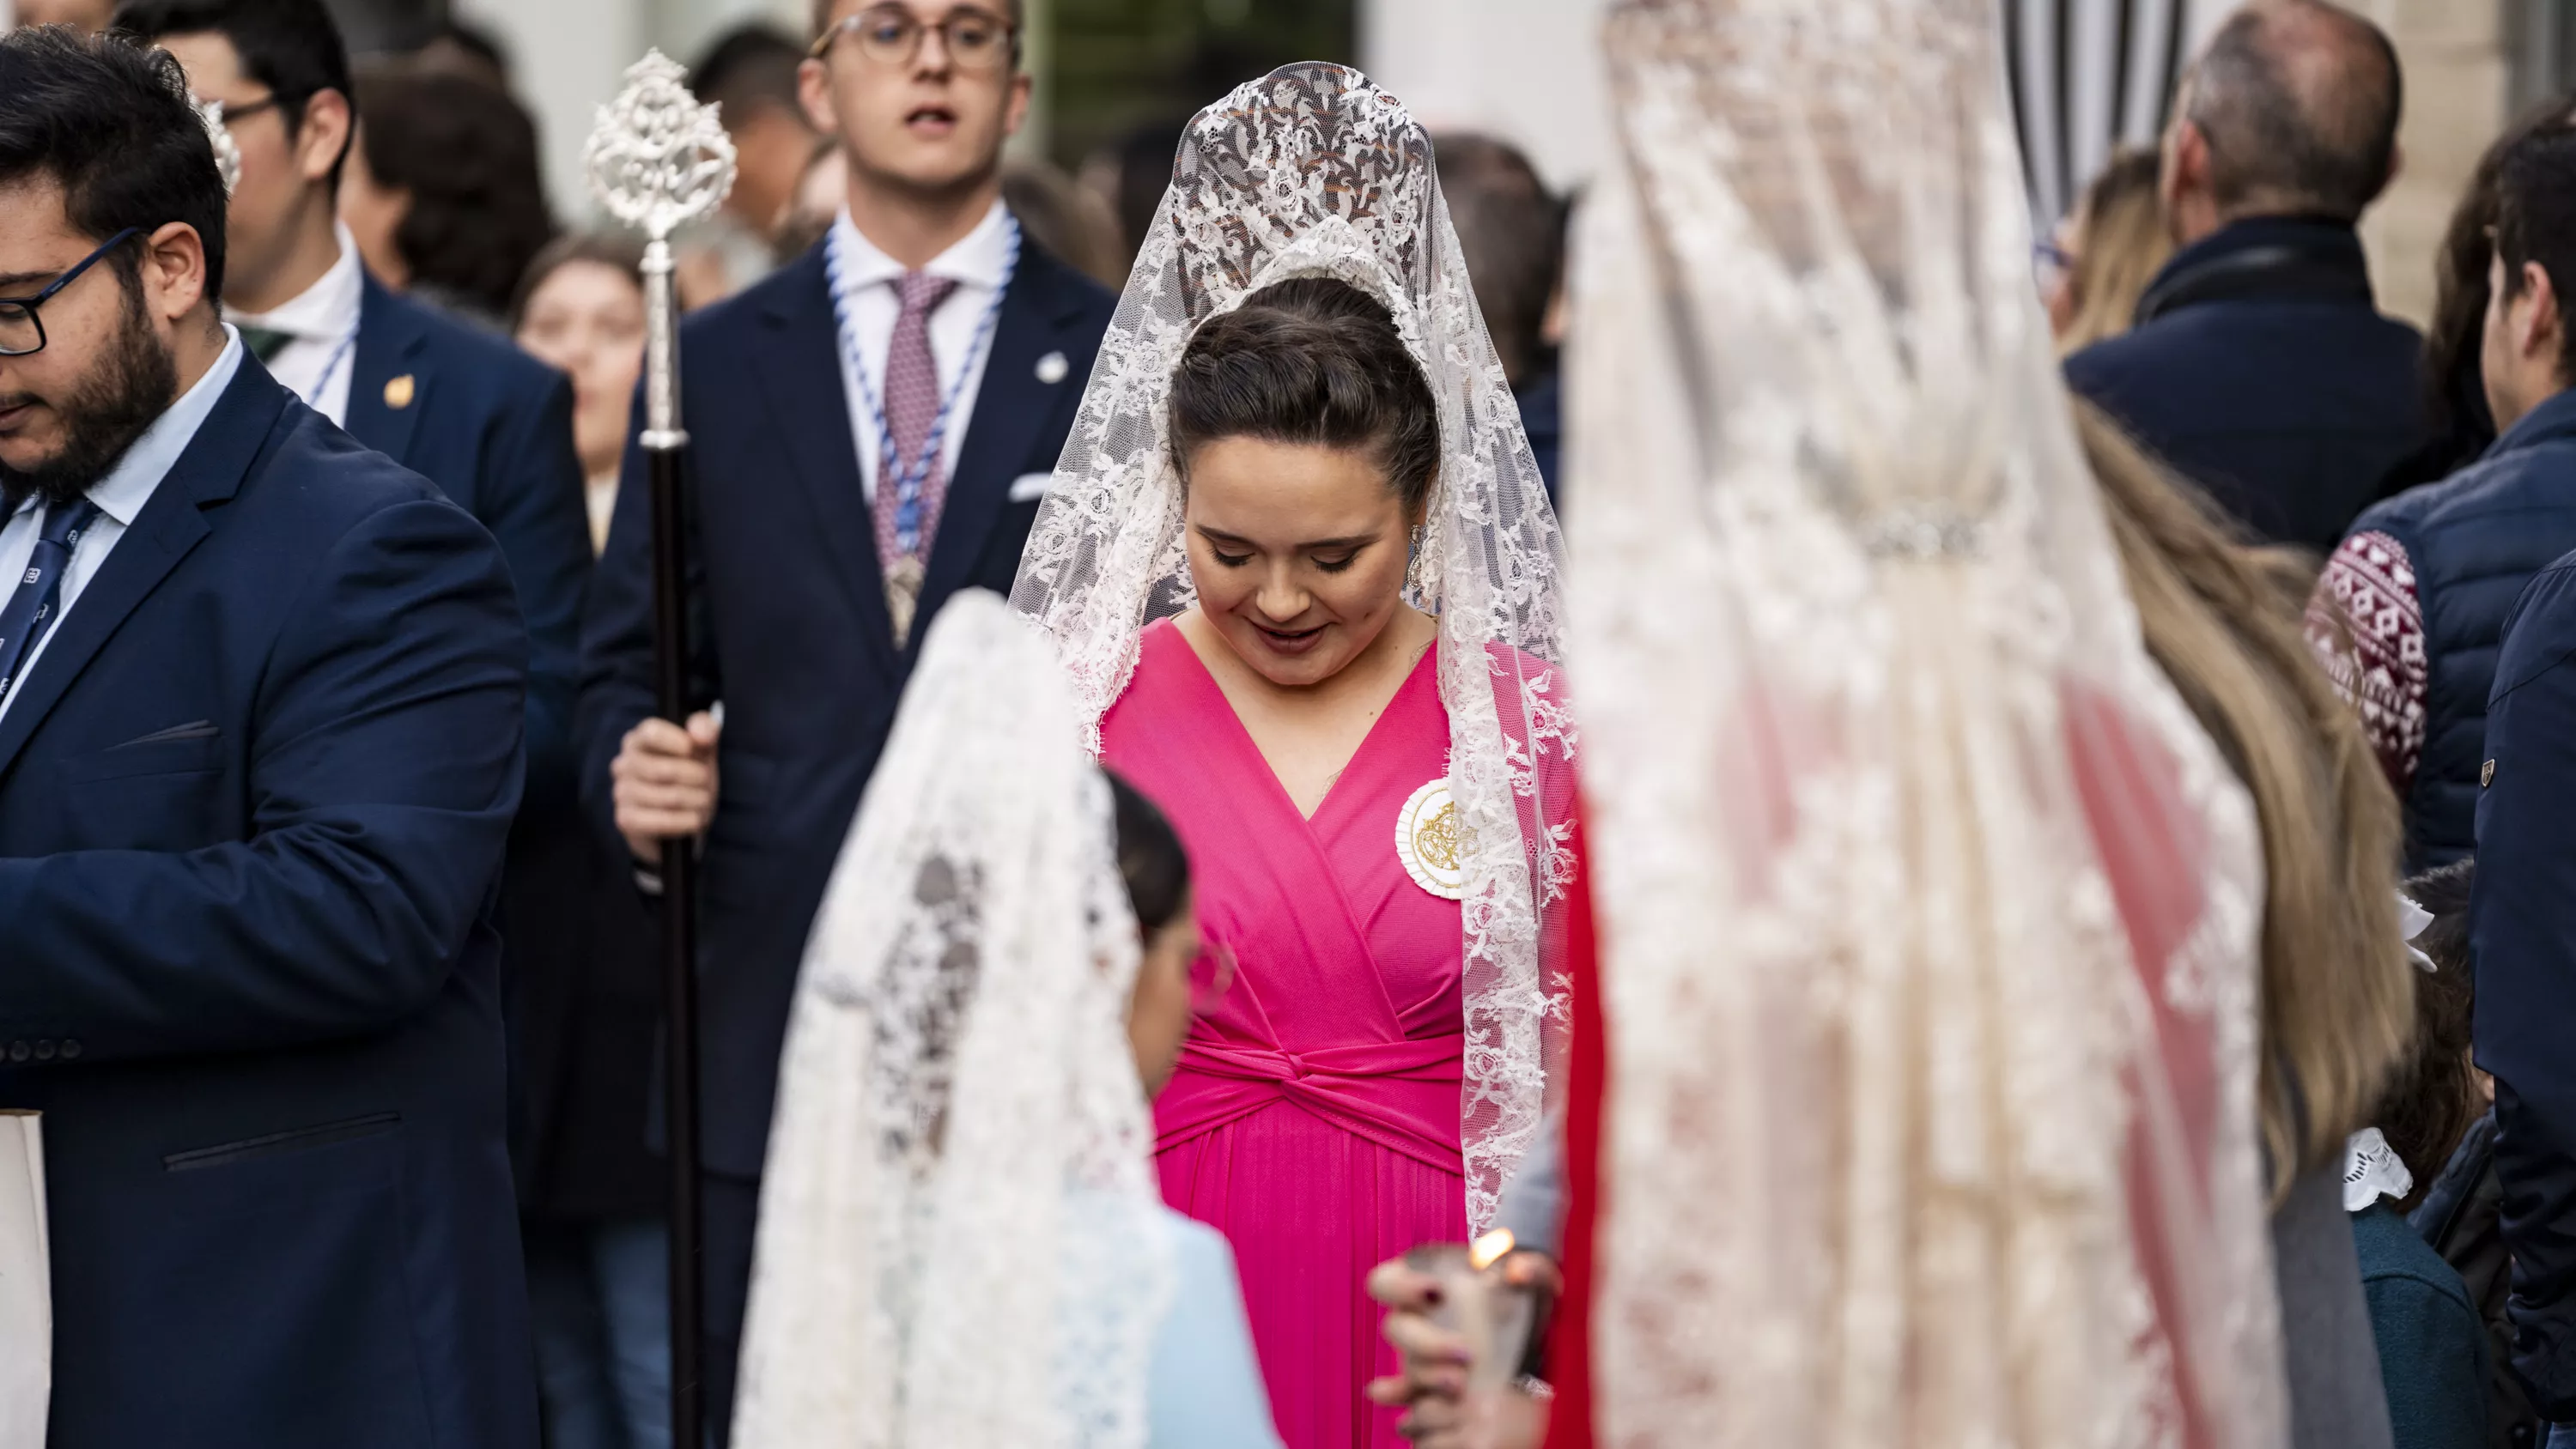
[[120, 495]]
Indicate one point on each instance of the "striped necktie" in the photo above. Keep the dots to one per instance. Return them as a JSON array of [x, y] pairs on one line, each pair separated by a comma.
[[30, 610]]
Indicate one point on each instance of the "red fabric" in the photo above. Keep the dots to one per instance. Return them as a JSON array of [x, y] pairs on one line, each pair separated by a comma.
[[1569, 1357]]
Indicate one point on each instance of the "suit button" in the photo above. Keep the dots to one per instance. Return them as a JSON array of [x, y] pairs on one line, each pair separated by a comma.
[[71, 1050], [19, 1052], [44, 1051]]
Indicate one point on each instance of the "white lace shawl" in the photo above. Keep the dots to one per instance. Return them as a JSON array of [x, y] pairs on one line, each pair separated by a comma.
[[958, 1240], [1313, 171], [1906, 1144]]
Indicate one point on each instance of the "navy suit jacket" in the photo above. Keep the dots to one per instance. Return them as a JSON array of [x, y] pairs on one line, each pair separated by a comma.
[[492, 427], [791, 630], [253, 803], [2522, 939], [2261, 370]]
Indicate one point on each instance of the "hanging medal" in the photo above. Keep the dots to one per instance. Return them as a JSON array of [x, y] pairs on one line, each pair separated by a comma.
[[904, 578]]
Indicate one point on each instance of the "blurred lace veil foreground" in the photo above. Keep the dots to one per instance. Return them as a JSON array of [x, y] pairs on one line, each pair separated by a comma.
[[1928, 915], [1313, 171], [958, 1227]]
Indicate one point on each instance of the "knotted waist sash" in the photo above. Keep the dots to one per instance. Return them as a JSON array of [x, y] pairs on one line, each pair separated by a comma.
[[1401, 1095]]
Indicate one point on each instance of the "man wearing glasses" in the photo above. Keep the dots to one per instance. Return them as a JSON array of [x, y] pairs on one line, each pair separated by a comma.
[[260, 723], [871, 430], [491, 426]]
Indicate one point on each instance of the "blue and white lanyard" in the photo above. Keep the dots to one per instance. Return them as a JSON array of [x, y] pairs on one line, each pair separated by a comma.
[[908, 481], [331, 369]]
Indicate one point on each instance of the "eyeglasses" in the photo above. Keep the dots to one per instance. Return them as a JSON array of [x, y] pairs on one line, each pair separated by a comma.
[[247, 109], [975, 40], [1211, 976], [22, 334]]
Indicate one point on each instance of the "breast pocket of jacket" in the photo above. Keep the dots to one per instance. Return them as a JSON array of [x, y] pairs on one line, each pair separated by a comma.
[[163, 791]]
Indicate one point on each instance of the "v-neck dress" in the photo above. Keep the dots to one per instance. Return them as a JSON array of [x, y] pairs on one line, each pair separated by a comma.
[[1314, 1117]]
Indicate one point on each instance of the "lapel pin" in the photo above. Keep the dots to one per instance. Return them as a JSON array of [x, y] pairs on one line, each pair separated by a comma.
[[1052, 368], [2486, 774], [400, 391]]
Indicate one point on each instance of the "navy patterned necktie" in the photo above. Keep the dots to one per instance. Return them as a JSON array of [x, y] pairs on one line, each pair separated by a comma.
[[31, 608]]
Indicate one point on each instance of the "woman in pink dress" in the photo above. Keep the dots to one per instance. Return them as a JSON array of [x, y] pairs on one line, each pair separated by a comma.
[[1301, 569]]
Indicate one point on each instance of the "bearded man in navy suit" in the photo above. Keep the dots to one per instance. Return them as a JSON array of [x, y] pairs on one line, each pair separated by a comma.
[[871, 430], [260, 744]]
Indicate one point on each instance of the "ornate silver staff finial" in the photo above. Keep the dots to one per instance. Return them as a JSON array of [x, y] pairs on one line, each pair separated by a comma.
[[658, 159], [220, 136]]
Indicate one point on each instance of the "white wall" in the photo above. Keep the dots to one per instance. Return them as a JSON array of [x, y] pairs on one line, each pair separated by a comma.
[[1527, 71]]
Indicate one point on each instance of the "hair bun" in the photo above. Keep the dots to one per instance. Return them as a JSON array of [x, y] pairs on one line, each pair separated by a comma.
[[1312, 360]]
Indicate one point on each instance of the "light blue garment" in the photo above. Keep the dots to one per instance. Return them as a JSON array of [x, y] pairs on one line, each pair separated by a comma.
[[1206, 1391]]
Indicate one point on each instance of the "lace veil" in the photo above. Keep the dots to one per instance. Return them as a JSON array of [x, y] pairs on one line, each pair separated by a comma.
[[958, 1239], [1928, 914], [1314, 171]]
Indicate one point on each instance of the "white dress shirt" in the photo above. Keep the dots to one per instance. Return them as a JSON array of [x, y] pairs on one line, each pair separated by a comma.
[[868, 278], [318, 365], [120, 497]]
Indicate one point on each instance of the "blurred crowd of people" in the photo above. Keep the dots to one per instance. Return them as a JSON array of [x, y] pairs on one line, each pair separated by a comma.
[[2420, 492]]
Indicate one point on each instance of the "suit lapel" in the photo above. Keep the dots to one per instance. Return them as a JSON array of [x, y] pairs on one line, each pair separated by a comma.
[[170, 525], [800, 376], [390, 340], [1011, 407]]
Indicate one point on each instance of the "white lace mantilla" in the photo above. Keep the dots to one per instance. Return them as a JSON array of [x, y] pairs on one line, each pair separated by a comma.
[[958, 1237], [1929, 917], [1313, 171]]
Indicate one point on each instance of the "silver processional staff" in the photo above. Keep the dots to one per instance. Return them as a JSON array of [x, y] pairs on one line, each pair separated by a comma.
[[657, 160]]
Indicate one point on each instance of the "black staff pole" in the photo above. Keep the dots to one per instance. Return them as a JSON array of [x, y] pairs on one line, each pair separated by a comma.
[[657, 159]]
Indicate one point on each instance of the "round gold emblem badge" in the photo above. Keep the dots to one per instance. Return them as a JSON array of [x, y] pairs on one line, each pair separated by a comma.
[[1429, 841]]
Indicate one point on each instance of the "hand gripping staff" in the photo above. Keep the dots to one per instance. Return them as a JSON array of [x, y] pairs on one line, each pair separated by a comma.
[[658, 159]]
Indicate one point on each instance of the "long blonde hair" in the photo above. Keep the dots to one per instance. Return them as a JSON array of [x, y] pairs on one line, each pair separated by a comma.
[[2223, 621], [2120, 243]]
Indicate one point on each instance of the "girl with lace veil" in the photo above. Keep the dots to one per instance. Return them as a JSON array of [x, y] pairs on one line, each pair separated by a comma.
[[960, 1242], [1300, 566], [1928, 914]]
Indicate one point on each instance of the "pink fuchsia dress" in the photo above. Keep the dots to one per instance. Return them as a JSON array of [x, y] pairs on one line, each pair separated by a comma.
[[1314, 1118]]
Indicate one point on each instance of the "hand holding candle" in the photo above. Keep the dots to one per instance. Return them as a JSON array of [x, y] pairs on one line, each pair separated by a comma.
[[1463, 1318]]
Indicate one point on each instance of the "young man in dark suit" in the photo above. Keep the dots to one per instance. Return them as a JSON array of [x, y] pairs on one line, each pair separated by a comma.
[[260, 743], [463, 408], [870, 431]]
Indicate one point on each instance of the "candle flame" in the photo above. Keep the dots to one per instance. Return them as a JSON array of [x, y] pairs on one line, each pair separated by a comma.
[[1490, 1249]]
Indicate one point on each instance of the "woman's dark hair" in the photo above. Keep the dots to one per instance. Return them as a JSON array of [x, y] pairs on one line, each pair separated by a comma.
[[1150, 858], [615, 253], [467, 154], [1310, 360], [2434, 1095], [112, 124]]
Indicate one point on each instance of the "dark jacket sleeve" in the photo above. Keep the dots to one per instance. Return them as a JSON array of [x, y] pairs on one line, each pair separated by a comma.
[[617, 631], [533, 506], [2522, 925], [384, 762]]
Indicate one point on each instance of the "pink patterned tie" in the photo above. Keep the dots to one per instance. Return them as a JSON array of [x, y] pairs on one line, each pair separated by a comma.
[[911, 408]]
